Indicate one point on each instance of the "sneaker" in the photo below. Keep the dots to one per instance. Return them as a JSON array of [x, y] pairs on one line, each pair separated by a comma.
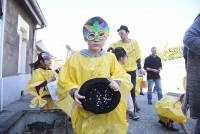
[[133, 116], [161, 122], [137, 110], [150, 103]]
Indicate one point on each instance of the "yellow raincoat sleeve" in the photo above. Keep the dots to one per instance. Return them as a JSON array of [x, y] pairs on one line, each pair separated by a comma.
[[66, 82], [137, 50], [118, 73]]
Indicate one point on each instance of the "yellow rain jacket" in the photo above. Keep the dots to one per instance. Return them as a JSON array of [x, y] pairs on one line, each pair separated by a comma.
[[169, 108], [39, 76], [74, 73], [133, 51]]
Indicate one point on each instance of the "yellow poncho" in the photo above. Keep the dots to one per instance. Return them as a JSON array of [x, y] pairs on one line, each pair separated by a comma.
[[169, 108], [74, 73], [39, 76]]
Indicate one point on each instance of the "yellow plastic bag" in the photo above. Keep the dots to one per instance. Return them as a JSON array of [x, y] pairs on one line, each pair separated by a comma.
[[138, 85], [170, 108]]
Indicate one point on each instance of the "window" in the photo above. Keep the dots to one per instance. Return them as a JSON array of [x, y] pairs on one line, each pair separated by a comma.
[[23, 32]]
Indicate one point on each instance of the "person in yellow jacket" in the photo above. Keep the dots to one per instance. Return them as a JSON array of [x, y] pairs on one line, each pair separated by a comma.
[[121, 56], [169, 112], [87, 64], [133, 62], [37, 86]]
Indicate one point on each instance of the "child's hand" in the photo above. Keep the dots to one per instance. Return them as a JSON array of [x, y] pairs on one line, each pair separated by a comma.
[[114, 85], [77, 96]]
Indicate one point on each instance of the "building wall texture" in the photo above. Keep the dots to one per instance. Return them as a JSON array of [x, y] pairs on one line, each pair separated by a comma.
[[11, 39]]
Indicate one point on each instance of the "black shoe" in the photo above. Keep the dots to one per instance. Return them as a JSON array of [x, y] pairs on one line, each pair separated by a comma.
[[137, 110], [141, 93], [133, 116], [162, 123], [150, 103]]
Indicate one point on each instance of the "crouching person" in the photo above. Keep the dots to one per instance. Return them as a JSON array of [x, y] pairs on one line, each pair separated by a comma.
[[169, 112]]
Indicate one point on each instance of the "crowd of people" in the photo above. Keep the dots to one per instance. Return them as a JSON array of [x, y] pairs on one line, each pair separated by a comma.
[[121, 64]]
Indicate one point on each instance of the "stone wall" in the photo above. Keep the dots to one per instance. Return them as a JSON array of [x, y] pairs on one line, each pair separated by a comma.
[[11, 39]]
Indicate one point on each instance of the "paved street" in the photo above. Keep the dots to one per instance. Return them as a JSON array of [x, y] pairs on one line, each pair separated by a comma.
[[148, 123]]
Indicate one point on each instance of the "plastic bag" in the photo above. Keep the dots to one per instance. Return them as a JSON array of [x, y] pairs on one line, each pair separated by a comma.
[[138, 85]]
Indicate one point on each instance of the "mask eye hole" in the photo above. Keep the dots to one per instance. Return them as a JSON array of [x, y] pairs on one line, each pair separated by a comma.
[[101, 34], [91, 36]]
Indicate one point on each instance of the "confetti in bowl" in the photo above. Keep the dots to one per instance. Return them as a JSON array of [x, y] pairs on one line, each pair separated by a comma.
[[99, 97]]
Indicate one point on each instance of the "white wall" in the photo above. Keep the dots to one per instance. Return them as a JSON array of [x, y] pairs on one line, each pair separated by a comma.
[[172, 76], [12, 87]]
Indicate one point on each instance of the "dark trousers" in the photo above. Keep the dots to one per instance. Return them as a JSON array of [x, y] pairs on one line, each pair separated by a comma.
[[197, 127], [133, 80]]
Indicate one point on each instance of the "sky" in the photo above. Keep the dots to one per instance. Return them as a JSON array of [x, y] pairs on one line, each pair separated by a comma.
[[159, 23]]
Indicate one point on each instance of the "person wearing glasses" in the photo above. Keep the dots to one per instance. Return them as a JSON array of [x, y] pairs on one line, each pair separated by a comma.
[[87, 64], [133, 62]]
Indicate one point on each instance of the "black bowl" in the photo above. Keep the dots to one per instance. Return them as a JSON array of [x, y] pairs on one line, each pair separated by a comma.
[[99, 97]]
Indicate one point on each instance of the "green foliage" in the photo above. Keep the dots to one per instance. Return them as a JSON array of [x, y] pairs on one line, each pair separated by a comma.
[[171, 53]]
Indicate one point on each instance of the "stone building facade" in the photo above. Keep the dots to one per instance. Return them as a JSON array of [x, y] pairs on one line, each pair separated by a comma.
[[19, 22]]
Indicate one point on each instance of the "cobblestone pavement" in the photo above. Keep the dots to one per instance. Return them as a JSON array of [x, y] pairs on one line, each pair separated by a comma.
[[148, 123]]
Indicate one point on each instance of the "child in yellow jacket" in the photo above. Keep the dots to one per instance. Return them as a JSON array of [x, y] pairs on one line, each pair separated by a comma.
[[87, 64], [121, 56], [42, 75]]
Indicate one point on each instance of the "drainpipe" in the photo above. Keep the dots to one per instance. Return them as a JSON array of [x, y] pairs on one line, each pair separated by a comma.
[[34, 41], [1, 51]]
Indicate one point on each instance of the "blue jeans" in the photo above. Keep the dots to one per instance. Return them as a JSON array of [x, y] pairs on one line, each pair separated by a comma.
[[158, 89]]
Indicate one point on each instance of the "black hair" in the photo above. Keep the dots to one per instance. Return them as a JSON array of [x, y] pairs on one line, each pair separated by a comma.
[[119, 52], [92, 20], [181, 98], [38, 64], [110, 49]]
